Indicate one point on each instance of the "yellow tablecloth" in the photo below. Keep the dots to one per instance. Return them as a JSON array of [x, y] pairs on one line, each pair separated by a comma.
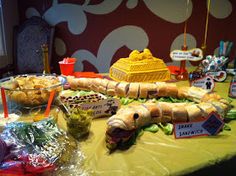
[[157, 153]]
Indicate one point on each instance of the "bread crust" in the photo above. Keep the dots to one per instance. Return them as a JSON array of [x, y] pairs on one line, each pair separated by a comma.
[[179, 114], [194, 113], [206, 108], [166, 109], [206, 102], [103, 86], [152, 90], [122, 89], [143, 90], [133, 90], [111, 88]]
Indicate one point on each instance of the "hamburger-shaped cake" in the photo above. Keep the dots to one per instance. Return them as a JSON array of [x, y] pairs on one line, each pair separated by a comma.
[[140, 67]]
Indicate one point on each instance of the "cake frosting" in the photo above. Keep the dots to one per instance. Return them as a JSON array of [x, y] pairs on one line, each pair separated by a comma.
[[140, 67]]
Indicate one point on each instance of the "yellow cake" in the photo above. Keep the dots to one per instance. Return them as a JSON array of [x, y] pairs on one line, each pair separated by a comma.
[[139, 67]]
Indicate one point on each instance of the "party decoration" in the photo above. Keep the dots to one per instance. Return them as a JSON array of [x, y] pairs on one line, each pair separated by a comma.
[[194, 54], [206, 82], [214, 66]]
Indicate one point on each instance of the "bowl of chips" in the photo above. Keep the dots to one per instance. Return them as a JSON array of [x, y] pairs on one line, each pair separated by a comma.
[[30, 90]]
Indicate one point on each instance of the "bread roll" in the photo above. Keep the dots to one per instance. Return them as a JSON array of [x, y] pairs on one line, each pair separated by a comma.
[[95, 84], [220, 107], [183, 92], [133, 90], [196, 93], [171, 90], [210, 96], [155, 111], [103, 86], [143, 90], [161, 89], [122, 89], [206, 108], [111, 87], [152, 90], [194, 113], [80, 83], [166, 112], [179, 114]]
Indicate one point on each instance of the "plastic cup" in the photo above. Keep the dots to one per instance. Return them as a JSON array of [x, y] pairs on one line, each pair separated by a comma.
[[14, 115], [37, 113], [67, 68]]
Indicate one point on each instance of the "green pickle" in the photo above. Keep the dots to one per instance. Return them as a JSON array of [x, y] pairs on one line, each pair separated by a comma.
[[79, 122]]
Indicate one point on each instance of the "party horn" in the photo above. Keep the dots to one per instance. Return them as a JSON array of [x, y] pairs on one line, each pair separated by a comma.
[[221, 49]]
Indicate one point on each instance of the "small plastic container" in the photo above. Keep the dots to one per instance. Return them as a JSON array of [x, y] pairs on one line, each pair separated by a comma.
[[13, 116], [78, 122], [67, 66], [37, 113]]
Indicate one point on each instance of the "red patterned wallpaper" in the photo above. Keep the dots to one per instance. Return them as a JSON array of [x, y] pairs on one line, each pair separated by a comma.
[[98, 32]]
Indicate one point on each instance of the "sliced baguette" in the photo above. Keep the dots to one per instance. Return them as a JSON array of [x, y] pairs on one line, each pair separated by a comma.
[[103, 86], [179, 114], [161, 89], [166, 112], [143, 90], [111, 88], [152, 90], [206, 108], [133, 91], [122, 89], [194, 113], [196, 93], [95, 84], [80, 83]]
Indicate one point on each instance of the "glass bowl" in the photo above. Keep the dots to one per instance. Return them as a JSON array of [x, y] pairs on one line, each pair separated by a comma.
[[30, 90], [37, 113]]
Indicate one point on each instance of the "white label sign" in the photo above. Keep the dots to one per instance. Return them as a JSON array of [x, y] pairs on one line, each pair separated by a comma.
[[219, 76], [186, 130], [102, 108], [209, 126], [205, 82], [194, 54], [232, 91]]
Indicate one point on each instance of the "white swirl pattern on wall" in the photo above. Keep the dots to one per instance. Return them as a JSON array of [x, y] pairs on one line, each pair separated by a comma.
[[75, 16], [169, 10], [220, 8], [132, 37]]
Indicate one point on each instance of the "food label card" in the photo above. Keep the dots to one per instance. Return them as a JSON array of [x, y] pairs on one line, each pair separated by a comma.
[[194, 54], [206, 82], [210, 126], [103, 107]]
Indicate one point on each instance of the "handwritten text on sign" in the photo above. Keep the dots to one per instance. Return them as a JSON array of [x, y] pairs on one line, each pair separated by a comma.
[[102, 108], [206, 83], [194, 54], [209, 126]]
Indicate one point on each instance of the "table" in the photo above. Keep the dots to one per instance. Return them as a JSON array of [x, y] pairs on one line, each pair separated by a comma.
[[159, 154]]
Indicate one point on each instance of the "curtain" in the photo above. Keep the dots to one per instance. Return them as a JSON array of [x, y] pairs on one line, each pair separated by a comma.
[[2, 34]]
